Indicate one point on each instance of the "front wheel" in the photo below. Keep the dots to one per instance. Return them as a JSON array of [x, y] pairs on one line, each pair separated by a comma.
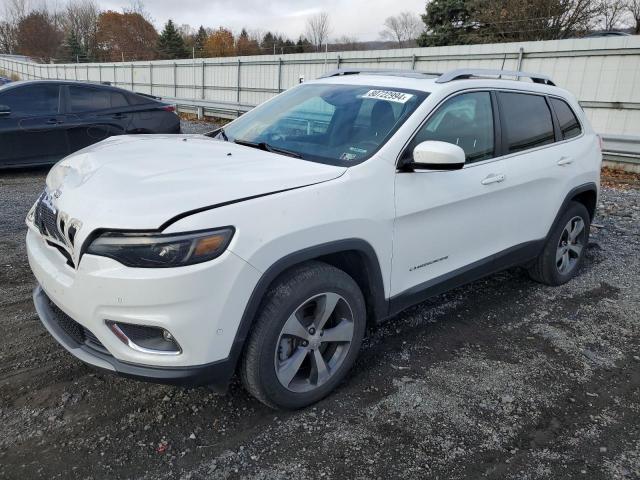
[[565, 248], [306, 337]]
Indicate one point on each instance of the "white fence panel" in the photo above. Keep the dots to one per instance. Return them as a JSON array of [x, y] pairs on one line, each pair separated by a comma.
[[603, 73]]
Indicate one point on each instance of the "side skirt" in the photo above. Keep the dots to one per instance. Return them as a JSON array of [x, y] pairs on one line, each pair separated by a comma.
[[511, 257]]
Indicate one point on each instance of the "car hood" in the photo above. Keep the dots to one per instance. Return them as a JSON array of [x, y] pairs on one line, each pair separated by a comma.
[[141, 182]]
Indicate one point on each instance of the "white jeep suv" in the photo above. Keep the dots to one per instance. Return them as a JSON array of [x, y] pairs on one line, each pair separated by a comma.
[[268, 247]]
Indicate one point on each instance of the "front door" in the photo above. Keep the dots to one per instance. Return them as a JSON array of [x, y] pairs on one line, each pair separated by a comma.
[[447, 220], [34, 131]]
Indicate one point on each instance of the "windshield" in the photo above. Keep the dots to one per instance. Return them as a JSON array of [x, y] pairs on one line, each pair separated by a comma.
[[335, 124]]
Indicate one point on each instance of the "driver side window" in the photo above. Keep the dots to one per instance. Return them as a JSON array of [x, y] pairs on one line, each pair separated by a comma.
[[465, 120]]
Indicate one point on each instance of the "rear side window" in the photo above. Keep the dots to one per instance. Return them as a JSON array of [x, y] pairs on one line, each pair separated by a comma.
[[526, 120], [83, 99], [569, 124], [32, 99], [139, 99]]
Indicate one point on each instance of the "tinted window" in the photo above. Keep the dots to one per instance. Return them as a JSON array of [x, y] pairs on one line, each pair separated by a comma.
[[569, 125], [527, 121], [465, 120], [139, 100], [83, 99], [32, 99]]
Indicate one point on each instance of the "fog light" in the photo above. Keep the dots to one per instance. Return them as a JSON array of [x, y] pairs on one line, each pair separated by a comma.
[[145, 339]]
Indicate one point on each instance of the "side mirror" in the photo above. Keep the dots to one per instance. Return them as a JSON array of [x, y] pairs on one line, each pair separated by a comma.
[[433, 155], [5, 110]]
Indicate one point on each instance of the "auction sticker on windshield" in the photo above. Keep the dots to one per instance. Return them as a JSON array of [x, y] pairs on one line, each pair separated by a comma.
[[389, 95]]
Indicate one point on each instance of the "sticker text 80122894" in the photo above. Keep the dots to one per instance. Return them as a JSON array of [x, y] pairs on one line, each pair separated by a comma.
[[389, 95]]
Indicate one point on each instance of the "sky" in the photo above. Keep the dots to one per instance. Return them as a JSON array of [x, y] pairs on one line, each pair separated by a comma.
[[362, 19]]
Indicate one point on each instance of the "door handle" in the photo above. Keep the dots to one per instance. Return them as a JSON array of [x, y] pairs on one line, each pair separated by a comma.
[[565, 161], [53, 121], [118, 116], [494, 178]]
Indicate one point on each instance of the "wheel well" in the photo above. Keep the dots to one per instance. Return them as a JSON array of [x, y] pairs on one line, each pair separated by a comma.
[[589, 199], [356, 265]]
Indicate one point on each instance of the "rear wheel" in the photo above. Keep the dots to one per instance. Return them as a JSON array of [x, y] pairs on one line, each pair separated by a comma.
[[565, 248], [306, 337]]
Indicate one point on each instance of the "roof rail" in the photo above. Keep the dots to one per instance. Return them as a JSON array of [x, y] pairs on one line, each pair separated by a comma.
[[376, 71], [464, 73]]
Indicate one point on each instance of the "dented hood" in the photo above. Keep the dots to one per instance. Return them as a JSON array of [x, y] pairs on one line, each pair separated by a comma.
[[143, 181]]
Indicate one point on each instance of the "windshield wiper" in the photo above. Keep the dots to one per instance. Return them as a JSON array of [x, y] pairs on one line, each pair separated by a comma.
[[268, 148], [214, 133]]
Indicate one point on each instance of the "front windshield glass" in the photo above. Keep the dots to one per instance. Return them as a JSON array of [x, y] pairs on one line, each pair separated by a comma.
[[328, 123]]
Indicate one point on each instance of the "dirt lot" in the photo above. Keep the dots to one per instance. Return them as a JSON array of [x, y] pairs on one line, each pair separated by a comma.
[[502, 379]]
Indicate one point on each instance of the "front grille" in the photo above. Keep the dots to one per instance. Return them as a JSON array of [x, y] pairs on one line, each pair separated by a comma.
[[52, 228], [46, 218], [70, 326], [92, 341], [73, 329]]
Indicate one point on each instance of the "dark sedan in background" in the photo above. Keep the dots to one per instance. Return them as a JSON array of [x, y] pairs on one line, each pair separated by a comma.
[[43, 121]]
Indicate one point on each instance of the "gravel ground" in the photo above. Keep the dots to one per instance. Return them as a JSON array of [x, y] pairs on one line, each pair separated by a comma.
[[194, 126], [501, 379]]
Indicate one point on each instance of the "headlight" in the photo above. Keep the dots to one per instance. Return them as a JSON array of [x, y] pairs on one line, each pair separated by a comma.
[[147, 250]]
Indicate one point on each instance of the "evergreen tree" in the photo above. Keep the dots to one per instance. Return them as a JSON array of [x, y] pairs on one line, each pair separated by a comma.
[[199, 40], [170, 43], [246, 45], [448, 22], [303, 45], [268, 41], [71, 49]]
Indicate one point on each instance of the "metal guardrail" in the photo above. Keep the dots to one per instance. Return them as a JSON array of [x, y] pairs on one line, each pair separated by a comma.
[[621, 148], [214, 108]]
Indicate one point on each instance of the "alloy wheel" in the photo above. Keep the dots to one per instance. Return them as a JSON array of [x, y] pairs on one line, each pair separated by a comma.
[[314, 342], [570, 245]]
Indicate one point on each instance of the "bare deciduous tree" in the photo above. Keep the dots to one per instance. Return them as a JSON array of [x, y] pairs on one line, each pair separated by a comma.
[[16, 10], [346, 43], [612, 13], [13, 12], [633, 6], [138, 7], [514, 20], [81, 19], [402, 28], [318, 29]]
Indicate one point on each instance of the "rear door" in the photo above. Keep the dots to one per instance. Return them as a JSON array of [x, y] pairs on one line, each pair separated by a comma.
[[93, 114], [534, 163], [34, 132]]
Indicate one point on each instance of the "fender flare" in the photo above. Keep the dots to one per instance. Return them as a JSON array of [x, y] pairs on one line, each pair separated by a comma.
[[380, 305], [585, 187]]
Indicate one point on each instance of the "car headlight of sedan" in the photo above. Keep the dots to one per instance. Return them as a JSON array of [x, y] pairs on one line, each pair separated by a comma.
[[157, 250]]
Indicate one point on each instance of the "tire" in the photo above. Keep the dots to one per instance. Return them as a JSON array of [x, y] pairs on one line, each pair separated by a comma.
[[550, 268], [285, 328]]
